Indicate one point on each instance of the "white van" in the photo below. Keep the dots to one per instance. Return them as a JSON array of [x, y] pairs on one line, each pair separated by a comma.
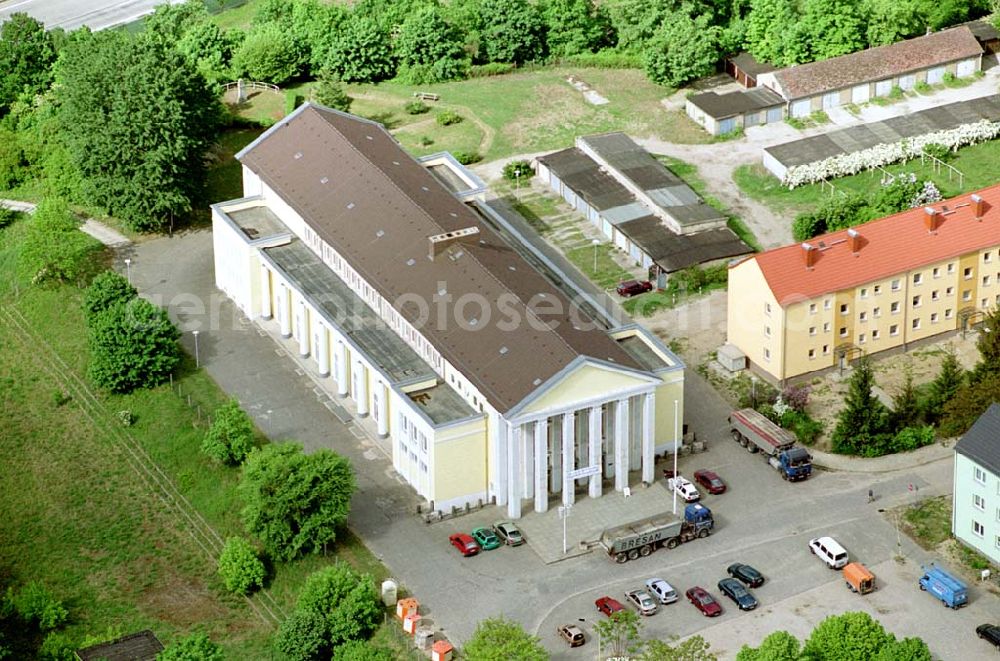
[[829, 551], [661, 590]]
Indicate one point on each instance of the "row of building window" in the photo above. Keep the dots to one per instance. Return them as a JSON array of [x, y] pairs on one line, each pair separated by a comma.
[[979, 530]]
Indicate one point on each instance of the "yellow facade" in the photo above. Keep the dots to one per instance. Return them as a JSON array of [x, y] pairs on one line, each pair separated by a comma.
[[459, 461], [585, 383], [820, 332], [665, 423]]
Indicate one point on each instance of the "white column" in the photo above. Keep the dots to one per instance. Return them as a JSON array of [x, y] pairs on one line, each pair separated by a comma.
[[648, 442], [554, 443], [527, 462], [284, 311], [321, 339], [361, 389], [635, 433], [594, 451], [541, 465], [302, 327], [568, 457], [621, 444], [582, 440], [265, 293], [500, 439], [514, 471], [381, 410], [340, 361]]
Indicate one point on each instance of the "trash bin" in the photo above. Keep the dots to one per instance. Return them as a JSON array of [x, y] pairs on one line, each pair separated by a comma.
[[410, 623], [424, 638], [406, 606], [442, 650], [389, 590]]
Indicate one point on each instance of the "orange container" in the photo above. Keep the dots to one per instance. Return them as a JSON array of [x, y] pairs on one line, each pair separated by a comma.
[[410, 623], [859, 579], [406, 606], [442, 650]]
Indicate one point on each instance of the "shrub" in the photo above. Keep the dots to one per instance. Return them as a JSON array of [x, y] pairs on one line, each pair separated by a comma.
[[796, 397], [54, 248], [132, 345], [427, 142], [34, 603], [230, 438], [240, 568], [362, 650], [896, 92], [347, 601], [466, 157], [416, 107], [107, 289], [7, 217], [448, 117], [13, 166], [57, 646], [948, 77], [922, 87], [516, 170], [490, 69], [911, 438], [329, 91], [604, 59], [302, 636], [804, 427], [939, 151], [196, 647]]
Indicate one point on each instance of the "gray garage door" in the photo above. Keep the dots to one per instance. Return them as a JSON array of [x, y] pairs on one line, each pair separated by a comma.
[[727, 125]]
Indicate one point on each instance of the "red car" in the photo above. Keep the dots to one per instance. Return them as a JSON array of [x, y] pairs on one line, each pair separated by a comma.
[[464, 543], [704, 602], [631, 288], [608, 606], [712, 482]]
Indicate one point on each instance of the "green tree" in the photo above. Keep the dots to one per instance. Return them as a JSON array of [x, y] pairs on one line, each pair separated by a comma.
[[107, 289], [56, 646], [348, 602], [54, 248], [863, 420], [295, 502], [137, 120], [836, 27], [949, 380], [210, 50], [301, 636], [769, 26], [619, 634], [315, 25], [988, 344], [890, 21], [230, 438], [905, 406], [683, 49], [635, 22], [512, 31], [132, 345], [500, 639], [908, 649], [429, 49], [518, 170], [35, 604], [970, 402], [362, 650], [852, 636], [361, 52], [13, 164], [26, 58], [195, 647], [240, 568], [694, 648], [778, 646], [575, 26], [330, 92], [268, 54], [171, 22]]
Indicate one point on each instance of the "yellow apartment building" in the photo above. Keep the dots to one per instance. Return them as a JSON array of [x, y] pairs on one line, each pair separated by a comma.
[[808, 307]]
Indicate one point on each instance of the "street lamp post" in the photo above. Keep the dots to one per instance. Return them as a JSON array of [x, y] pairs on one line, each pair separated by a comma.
[[564, 511], [677, 408], [517, 183], [595, 243], [197, 358], [128, 270]]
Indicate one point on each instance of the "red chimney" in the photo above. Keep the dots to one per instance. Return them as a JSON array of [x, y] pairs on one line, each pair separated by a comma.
[[978, 206], [854, 240], [809, 255], [931, 219]]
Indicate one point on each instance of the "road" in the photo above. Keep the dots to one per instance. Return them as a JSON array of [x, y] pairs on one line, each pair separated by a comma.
[[71, 14]]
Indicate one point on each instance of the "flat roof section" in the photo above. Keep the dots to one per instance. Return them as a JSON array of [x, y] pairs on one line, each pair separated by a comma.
[[720, 106], [888, 131], [673, 252], [643, 353], [257, 222], [442, 404], [447, 176], [579, 172], [749, 64]]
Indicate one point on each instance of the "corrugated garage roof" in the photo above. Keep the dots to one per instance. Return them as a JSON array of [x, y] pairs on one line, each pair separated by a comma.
[[720, 106], [376, 206]]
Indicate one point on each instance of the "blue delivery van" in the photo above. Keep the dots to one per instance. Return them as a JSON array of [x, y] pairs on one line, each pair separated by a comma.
[[951, 591]]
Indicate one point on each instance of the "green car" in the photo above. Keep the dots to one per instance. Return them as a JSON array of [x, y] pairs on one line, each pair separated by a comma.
[[486, 538]]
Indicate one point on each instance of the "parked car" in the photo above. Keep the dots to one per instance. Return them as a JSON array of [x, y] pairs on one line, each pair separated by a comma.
[[684, 488], [572, 634], [464, 543], [713, 483], [829, 551], [508, 533], [739, 594], [661, 590], [990, 633], [486, 539], [704, 602], [631, 288], [608, 606], [746, 573], [641, 600]]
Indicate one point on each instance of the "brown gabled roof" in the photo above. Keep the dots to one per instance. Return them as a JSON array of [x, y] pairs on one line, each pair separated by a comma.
[[376, 206], [141, 646], [888, 246], [879, 63]]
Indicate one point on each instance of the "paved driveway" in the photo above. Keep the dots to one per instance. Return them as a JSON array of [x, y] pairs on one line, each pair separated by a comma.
[[763, 520]]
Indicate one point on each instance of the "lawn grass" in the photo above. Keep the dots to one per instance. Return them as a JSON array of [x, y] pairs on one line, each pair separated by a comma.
[[929, 522], [608, 273], [979, 163], [77, 518]]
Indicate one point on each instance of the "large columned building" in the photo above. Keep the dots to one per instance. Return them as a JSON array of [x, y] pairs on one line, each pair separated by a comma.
[[487, 379]]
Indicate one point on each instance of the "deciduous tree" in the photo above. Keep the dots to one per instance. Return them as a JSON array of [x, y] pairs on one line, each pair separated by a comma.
[[295, 502], [347, 601], [54, 248], [575, 26], [852, 636], [301, 636], [230, 437], [26, 58], [195, 647], [619, 634], [362, 650], [769, 26], [361, 52], [683, 49], [500, 639], [240, 568], [694, 648], [107, 289], [778, 646], [132, 345], [429, 49], [836, 27], [512, 31], [268, 54]]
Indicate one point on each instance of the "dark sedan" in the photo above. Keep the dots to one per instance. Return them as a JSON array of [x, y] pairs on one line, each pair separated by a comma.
[[712, 482], [750, 576], [989, 633], [704, 602], [739, 594]]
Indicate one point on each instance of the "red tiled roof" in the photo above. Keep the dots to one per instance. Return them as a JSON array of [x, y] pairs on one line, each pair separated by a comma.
[[878, 63], [889, 246]]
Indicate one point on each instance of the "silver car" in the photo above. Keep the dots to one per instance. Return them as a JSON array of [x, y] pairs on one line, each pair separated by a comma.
[[641, 600]]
